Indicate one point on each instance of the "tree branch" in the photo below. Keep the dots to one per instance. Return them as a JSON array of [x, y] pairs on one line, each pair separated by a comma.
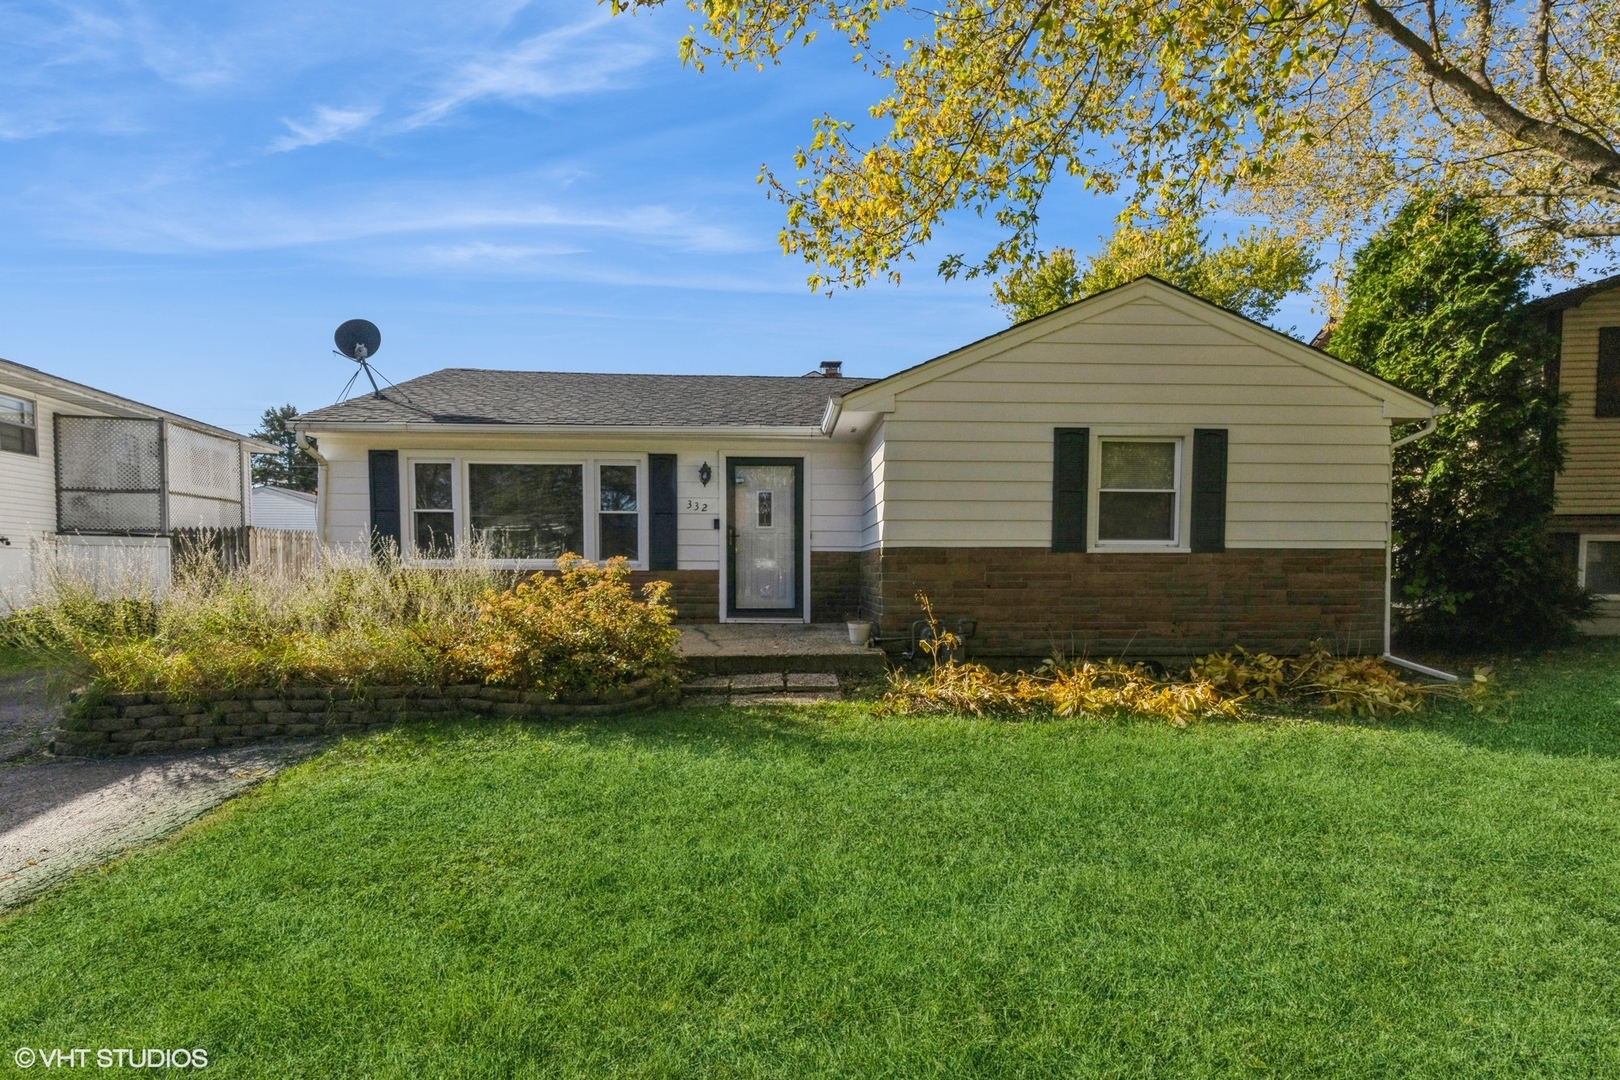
[[1598, 163]]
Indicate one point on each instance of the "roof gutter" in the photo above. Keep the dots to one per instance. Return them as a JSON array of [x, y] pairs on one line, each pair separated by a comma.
[[322, 469], [829, 419], [1389, 657], [784, 431]]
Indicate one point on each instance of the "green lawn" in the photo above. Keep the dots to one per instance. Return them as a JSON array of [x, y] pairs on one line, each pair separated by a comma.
[[820, 892]]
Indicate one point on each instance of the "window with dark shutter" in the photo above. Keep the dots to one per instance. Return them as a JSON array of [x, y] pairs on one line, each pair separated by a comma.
[[1070, 465], [384, 469], [661, 502], [1608, 371], [1209, 490]]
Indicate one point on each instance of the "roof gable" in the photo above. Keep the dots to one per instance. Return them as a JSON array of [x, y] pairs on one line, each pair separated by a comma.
[[1181, 306]]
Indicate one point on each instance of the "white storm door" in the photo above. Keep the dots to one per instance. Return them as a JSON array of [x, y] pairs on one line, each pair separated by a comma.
[[764, 534]]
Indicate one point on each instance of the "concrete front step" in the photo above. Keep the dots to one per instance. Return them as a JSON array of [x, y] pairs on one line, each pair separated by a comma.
[[762, 649]]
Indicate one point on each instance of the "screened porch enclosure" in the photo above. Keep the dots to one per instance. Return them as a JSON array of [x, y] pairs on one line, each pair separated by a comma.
[[126, 476]]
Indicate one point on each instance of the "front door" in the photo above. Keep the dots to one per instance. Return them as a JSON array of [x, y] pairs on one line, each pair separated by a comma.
[[765, 518]]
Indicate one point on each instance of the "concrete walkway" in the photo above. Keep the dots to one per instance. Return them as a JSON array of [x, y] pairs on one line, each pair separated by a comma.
[[58, 817]]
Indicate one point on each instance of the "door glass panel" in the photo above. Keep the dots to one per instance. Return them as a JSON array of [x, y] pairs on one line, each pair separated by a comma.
[[764, 513]]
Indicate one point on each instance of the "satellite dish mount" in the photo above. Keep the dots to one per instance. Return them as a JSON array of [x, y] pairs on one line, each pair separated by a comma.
[[359, 340]]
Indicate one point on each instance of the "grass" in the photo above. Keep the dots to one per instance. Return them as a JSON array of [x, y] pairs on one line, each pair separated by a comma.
[[823, 893], [17, 661]]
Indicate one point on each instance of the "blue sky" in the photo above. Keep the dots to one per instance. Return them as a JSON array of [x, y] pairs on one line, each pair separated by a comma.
[[194, 195]]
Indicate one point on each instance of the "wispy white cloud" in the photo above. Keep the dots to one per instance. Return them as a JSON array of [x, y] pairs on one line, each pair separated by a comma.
[[580, 58], [477, 252], [326, 125], [169, 217]]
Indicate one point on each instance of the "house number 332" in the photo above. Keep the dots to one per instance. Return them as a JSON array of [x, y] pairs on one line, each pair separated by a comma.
[[697, 507]]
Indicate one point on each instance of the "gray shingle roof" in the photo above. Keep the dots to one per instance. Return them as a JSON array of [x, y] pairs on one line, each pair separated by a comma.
[[568, 398]]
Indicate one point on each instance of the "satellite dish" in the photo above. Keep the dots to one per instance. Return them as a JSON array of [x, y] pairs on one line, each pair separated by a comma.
[[358, 339]]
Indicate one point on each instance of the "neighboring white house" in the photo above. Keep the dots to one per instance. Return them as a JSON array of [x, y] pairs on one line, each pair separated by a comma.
[[283, 508], [1139, 471], [104, 480]]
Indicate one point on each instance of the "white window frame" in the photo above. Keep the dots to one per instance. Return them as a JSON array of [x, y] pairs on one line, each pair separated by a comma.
[[407, 544], [590, 464], [594, 500], [33, 413], [1606, 538], [1181, 438]]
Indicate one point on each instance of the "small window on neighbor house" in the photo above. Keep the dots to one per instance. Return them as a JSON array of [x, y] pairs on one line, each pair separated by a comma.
[[17, 426], [1137, 498], [433, 522], [1608, 372], [618, 529], [1600, 566]]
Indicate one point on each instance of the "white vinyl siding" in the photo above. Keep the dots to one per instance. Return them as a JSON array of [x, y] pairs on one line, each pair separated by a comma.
[[832, 480], [966, 458]]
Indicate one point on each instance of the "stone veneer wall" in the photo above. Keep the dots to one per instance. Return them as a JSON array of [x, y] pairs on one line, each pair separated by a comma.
[[1032, 601], [147, 723]]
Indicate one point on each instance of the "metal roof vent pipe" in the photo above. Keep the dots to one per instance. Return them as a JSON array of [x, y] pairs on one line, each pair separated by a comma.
[[832, 369]]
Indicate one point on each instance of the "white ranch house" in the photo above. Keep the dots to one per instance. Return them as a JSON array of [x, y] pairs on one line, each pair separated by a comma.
[[1140, 471]]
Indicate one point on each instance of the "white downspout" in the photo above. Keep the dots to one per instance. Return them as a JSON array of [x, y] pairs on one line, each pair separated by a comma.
[[1389, 559], [321, 470]]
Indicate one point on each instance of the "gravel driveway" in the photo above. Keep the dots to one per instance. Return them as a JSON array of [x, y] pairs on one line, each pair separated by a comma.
[[58, 816]]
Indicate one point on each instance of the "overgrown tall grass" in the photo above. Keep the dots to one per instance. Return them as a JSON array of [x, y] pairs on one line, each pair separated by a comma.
[[353, 621]]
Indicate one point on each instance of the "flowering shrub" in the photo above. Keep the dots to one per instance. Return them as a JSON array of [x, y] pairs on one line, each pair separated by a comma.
[[577, 633]]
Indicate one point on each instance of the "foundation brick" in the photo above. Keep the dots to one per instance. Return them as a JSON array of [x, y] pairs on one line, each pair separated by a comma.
[[1031, 602]]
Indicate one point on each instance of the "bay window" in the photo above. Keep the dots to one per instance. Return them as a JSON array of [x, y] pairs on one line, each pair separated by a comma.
[[527, 511]]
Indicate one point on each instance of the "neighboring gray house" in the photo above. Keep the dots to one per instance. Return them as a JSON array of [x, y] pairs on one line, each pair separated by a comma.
[[1139, 471]]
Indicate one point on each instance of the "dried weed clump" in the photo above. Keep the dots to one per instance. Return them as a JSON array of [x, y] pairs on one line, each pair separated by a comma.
[[1221, 685]]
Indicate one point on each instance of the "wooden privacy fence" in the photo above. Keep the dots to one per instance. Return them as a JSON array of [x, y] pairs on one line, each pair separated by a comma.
[[286, 551]]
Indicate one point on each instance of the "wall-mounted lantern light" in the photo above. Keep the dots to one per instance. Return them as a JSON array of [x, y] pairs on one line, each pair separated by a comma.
[[704, 473]]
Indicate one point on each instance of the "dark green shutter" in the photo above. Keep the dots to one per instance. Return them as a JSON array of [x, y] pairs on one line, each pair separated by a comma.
[[661, 525], [1209, 489], [384, 499], [1071, 449], [1608, 371]]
